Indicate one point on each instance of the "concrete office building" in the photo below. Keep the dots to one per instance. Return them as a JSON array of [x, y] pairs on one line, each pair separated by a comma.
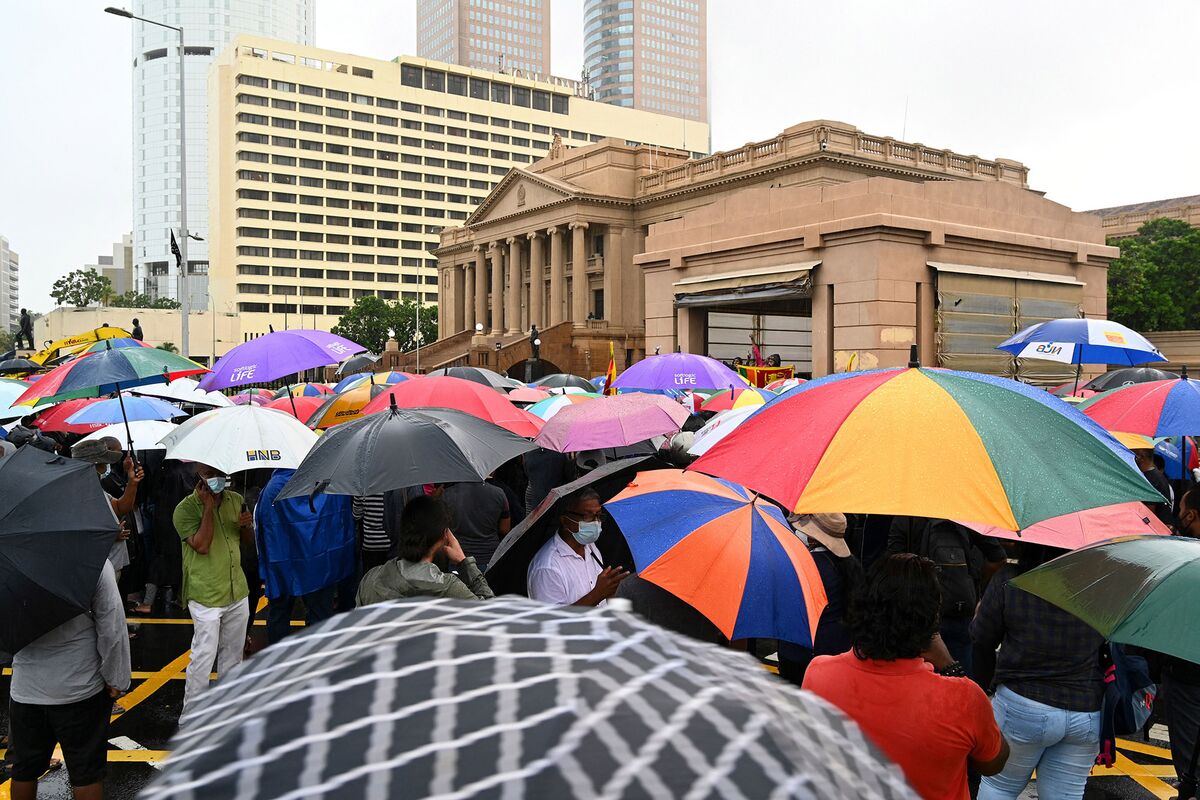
[[118, 266], [494, 35], [835, 248], [208, 26], [333, 175], [649, 54], [10, 296]]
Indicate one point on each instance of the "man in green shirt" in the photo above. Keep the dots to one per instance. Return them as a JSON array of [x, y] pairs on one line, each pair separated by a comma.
[[212, 523]]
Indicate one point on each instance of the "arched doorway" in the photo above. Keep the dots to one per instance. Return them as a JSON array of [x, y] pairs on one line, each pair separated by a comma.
[[539, 369]]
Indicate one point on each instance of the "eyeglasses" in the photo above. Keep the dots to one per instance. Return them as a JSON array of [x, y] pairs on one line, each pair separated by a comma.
[[582, 517]]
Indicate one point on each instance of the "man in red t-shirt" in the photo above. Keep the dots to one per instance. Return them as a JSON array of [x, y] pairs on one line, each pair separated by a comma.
[[900, 685]]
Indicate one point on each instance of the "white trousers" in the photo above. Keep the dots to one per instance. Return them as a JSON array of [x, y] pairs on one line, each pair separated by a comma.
[[219, 635]]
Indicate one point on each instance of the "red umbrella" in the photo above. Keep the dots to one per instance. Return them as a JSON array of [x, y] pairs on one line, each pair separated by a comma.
[[1072, 531], [55, 417], [461, 395], [528, 395], [299, 407]]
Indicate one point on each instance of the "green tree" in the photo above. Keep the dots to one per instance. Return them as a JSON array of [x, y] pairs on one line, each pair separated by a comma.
[[405, 324], [79, 288], [1155, 284], [168, 346], [132, 299], [367, 322], [7, 341]]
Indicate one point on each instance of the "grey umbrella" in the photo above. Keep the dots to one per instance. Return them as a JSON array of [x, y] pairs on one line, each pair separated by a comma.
[[562, 380], [510, 698], [501, 383], [403, 447], [356, 363], [17, 366]]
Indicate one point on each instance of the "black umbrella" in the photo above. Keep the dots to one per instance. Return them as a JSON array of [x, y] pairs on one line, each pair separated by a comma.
[[18, 366], [501, 383], [511, 698], [356, 363], [1127, 377], [561, 380], [56, 528], [507, 570], [401, 447]]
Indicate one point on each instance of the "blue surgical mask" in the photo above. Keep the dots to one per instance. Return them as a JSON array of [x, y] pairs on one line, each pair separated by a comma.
[[217, 485], [588, 532]]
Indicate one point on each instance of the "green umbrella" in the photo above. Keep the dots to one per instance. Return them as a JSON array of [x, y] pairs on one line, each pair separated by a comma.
[[1138, 590]]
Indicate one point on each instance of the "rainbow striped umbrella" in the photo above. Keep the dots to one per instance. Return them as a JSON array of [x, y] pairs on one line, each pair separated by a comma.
[[388, 378], [728, 399], [724, 551], [785, 384], [952, 445], [109, 371], [1155, 408]]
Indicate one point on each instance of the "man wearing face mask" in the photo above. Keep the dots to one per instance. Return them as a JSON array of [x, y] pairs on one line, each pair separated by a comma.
[[212, 524], [568, 569]]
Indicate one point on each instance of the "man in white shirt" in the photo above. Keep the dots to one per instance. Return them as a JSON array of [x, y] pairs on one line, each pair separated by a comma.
[[568, 569]]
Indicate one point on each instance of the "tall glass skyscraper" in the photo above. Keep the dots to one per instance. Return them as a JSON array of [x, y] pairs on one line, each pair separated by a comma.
[[648, 54], [208, 25], [496, 35]]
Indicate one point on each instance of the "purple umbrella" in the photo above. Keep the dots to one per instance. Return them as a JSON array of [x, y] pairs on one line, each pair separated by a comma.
[[277, 355], [678, 371], [611, 422]]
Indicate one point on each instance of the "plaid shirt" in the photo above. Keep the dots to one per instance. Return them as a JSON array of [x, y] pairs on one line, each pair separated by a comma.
[[1046, 655]]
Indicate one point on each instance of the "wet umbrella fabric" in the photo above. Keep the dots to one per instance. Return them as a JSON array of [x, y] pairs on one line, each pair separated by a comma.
[[1154, 408], [495, 380], [54, 418], [1072, 531], [510, 698], [303, 390], [108, 372], [277, 355], [108, 412], [302, 408], [344, 406], [52, 554], [678, 371], [398, 448], [147, 434], [378, 378], [612, 422], [252, 397], [1082, 341], [184, 390], [1127, 377], [356, 363], [562, 380], [239, 438], [10, 390], [460, 395], [506, 572], [18, 366]]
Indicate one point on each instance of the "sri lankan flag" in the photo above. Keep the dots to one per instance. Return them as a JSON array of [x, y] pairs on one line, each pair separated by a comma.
[[610, 375]]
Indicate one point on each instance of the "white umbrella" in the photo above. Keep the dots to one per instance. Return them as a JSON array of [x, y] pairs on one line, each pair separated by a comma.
[[146, 433], [184, 390], [239, 438], [720, 426]]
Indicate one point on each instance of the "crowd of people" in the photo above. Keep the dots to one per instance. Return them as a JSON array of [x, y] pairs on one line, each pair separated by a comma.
[[969, 685]]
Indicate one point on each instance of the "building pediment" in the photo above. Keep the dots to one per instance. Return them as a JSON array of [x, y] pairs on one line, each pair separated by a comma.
[[522, 191]]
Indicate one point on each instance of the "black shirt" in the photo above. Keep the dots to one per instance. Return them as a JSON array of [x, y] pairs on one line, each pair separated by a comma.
[[137, 332]]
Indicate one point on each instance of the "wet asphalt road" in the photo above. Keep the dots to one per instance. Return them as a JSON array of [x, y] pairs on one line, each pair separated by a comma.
[[153, 706]]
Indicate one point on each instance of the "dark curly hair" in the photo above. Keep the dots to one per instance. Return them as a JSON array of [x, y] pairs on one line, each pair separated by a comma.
[[897, 610]]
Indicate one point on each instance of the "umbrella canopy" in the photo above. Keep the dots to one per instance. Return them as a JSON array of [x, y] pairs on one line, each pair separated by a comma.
[[509, 567], [356, 363], [147, 434], [10, 390], [115, 343], [728, 399], [1134, 441], [501, 383], [717, 428], [246, 397], [551, 406], [784, 384], [1138, 590], [400, 448], [18, 366], [53, 553], [953, 445], [528, 396], [184, 390], [561, 380], [1072, 531], [445, 698], [303, 390], [378, 378], [239, 438], [108, 372], [302, 408], [1082, 341], [727, 553], [460, 395], [54, 419], [678, 371], [1070, 390], [612, 422], [278, 355], [1128, 376], [1156, 408], [1169, 450], [344, 407], [113, 410]]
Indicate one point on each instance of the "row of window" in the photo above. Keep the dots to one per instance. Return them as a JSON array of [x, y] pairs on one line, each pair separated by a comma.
[[249, 137], [436, 80], [338, 274], [333, 311], [337, 202]]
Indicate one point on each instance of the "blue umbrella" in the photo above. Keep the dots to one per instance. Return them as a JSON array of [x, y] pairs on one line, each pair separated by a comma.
[[108, 412], [1082, 341]]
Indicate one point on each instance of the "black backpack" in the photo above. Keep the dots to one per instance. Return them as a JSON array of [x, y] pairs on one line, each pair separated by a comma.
[[948, 545]]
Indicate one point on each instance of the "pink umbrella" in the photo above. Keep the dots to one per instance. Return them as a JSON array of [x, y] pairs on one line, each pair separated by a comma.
[[1072, 531], [528, 395], [611, 422]]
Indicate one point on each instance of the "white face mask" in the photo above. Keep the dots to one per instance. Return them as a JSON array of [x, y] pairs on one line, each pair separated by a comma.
[[588, 532], [217, 485]]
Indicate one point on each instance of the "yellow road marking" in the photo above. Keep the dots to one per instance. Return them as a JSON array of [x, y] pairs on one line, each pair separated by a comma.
[[154, 683], [185, 621], [142, 756], [1145, 778], [1147, 749]]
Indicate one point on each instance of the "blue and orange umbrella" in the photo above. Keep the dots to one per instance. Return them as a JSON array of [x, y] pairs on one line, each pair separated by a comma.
[[724, 551], [303, 390]]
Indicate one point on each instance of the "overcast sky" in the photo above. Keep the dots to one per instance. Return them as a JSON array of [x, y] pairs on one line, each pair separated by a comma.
[[1097, 97]]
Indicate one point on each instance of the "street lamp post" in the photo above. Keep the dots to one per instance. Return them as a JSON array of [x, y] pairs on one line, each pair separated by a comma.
[[184, 300]]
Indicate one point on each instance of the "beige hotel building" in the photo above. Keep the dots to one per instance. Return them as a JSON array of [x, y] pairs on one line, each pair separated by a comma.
[[332, 176]]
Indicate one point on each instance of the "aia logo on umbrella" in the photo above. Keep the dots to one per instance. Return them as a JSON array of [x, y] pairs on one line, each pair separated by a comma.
[[685, 379], [243, 373], [263, 455]]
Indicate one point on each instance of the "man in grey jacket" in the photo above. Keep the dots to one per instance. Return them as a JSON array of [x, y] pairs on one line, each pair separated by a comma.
[[425, 536], [63, 687]]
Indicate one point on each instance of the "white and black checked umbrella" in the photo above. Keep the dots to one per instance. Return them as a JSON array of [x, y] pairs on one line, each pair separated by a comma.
[[512, 699]]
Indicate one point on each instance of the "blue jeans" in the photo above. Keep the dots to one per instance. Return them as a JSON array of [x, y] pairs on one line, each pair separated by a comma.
[[1060, 745]]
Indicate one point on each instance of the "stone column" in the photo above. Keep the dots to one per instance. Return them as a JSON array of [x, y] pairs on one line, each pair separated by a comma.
[[614, 283], [579, 279], [558, 279], [469, 295], [512, 300], [537, 282], [481, 289], [457, 287], [497, 254]]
